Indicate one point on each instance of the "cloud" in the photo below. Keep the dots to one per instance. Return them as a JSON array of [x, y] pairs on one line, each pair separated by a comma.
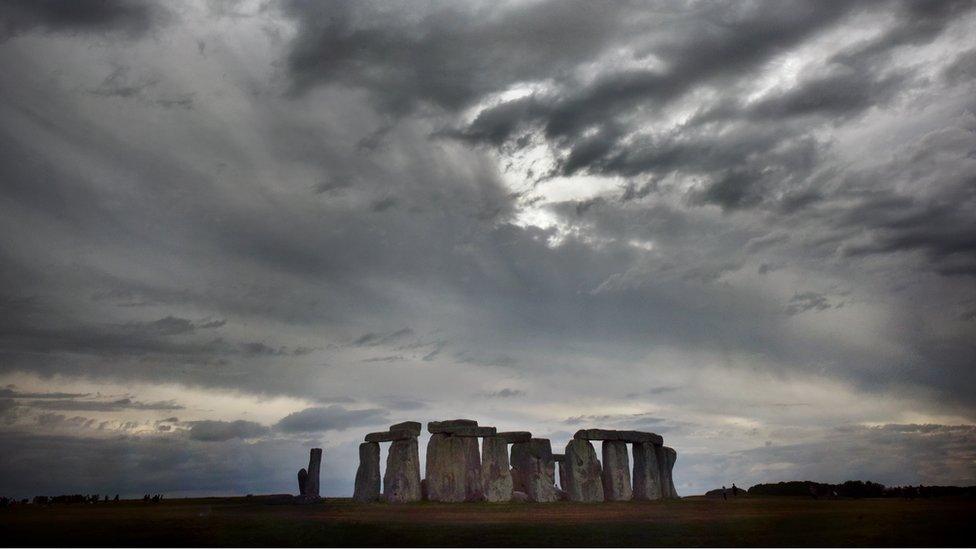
[[215, 431], [104, 406], [329, 418], [505, 393], [129, 18]]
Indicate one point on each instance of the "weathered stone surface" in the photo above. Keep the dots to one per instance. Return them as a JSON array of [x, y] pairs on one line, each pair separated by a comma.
[[611, 434], [411, 426], [314, 463], [453, 469], [558, 458], [474, 432], [671, 456], [580, 472], [440, 426], [302, 480], [511, 437], [533, 470], [401, 483], [520, 497], [390, 436], [616, 471], [368, 474], [597, 434], [635, 437], [647, 472], [561, 495], [424, 494], [662, 463], [495, 469]]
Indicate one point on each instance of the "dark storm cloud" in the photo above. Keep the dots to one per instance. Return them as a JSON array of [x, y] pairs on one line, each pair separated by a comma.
[[218, 431], [329, 418], [9, 392], [131, 18]]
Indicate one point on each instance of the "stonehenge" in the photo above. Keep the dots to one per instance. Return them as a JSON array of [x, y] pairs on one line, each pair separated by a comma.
[[302, 480], [308, 479], [457, 470]]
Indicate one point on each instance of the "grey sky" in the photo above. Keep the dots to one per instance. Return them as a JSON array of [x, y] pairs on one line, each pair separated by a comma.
[[233, 230]]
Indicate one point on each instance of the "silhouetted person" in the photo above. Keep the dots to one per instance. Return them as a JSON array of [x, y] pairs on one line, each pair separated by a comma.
[[725, 495], [735, 490], [116, 497]]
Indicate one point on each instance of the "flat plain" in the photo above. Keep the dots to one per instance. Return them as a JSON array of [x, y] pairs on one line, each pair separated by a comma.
[[693, 521]]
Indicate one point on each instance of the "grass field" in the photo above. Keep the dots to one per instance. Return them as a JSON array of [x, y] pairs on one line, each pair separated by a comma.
[[692, 521]]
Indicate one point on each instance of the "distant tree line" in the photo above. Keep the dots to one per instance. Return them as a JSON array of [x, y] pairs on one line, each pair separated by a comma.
[[858, 489]]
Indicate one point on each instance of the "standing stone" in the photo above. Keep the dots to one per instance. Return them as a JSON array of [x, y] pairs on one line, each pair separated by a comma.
[[454, 469], [672, 456], [495, 469], [302, 481], [368, 474], [616, 471], [533, 470], [662, 463], [647, 472], [580, 472], [314, 463], [401, 483]]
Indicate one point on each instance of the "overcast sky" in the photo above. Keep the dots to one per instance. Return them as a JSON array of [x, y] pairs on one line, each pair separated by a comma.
[[231, 231]]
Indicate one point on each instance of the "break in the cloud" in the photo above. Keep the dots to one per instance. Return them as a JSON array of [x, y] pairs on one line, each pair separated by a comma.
[[745, 226]]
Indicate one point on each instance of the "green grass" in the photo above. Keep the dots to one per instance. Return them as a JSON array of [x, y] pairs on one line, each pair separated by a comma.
[[743, 521]]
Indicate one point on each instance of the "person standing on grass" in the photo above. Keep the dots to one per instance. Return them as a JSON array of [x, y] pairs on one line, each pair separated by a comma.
[[735, 490], [725, 495]]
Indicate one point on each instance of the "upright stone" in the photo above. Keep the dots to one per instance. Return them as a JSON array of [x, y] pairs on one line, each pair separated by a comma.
[[647, 472], [401, 483], [302, 481], [314, 463], [662, 463], [616, 471], [672, 456], [495, 469], [368, 474], [453, 469], [533, 470], [580, 472]]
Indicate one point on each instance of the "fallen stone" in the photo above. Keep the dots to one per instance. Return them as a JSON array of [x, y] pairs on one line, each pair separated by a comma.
[[390, 436], [453, 469], [302, 480], [411, 426], [401, 483], [439, 426], [520, 497], [672, 456], [314, 464], [533, 470], [495, 470], [616, 471], [581, 472], [511, 437], [597, 434], [367, 488], [647, 472]]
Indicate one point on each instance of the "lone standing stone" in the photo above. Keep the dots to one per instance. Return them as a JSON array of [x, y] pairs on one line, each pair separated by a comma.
[[401, 483], [302, 481], [616, 471], [533, 470], [647, 472], [314, 463], [580, 472], [368, 474], [495, 469]]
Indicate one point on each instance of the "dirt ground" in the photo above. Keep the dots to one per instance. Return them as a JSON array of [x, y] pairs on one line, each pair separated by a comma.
[[695, 521]]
